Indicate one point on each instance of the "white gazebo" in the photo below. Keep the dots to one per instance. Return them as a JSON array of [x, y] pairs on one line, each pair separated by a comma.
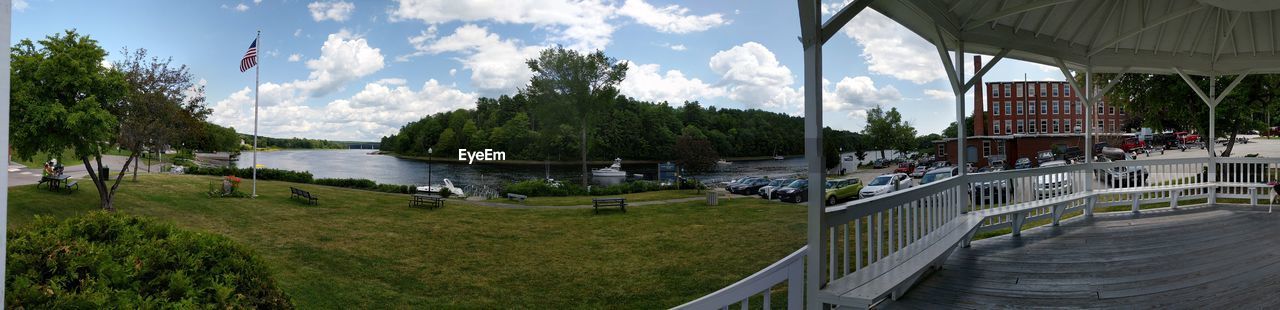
[[867, 251]]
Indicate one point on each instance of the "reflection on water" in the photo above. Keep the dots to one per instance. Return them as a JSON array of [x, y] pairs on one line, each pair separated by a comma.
[[392, 170]]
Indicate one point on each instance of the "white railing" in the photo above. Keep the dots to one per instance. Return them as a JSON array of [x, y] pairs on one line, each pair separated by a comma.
[[861, 234], [789, 270]]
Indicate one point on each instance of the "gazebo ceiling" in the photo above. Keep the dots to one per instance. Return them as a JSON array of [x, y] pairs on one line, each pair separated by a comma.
[[1204, 37]]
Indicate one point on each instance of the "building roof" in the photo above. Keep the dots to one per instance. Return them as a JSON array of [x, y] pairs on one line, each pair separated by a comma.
[[1204, 37]]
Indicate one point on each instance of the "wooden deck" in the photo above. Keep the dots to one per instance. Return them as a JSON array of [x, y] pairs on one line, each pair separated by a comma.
[[1212, 257]]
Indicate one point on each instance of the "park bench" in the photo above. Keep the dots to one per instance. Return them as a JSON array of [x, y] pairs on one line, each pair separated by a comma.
[[73, 186], [519, 197], [299, 193], [598, 203], [426, 201]]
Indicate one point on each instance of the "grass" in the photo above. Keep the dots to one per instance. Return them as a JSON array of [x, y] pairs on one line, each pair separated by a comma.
[[633, 197], [361, 249]]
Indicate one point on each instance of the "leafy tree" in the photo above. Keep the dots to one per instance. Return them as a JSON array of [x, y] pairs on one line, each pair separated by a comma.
[[885, 130], [448, 141], [577, 85], [695, 153], [950, 131], [1167, 102], [60, 97], [163, 104]]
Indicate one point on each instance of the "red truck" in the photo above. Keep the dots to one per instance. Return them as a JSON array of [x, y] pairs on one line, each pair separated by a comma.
[[1131, 144], [906, 167]]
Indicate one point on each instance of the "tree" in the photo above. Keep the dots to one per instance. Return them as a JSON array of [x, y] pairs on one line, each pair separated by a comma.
[[695, 153], [60, 96], [1167, 102], [950, 131], [887, 131], [163, 104], [577, 85]]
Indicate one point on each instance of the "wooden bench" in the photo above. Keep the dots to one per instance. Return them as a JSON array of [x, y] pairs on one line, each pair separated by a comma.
[[511, 196], [598, 203], [299, 193], [426, 201]]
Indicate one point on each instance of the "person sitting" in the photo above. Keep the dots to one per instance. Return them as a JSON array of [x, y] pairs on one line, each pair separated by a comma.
[[48, 170]]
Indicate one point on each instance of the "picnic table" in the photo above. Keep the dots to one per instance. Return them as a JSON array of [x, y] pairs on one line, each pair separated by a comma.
[[598, 203], [57, 183], [426, 201]]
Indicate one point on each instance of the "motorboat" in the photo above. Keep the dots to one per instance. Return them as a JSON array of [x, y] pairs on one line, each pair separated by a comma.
[[614, 170], [778, 157], [453, 190], [723, 162]]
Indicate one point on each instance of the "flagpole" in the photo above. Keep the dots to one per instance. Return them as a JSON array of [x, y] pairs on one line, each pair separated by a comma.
[[256, 70]]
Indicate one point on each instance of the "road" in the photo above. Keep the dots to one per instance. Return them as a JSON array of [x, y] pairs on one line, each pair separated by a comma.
[[21, 175]]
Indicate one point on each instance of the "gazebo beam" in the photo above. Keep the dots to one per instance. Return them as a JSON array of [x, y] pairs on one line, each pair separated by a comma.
[[1029, 6], [987, 67], [833, 25], [1153, 24]]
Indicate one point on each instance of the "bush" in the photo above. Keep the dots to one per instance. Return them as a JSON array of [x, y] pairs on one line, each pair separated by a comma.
[[444, 192], [263, 174], [366, 184], [105, 260]]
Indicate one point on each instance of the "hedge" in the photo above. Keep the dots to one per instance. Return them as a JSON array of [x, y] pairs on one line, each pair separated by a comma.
[[263, 174], [107, 260], [366, 184]]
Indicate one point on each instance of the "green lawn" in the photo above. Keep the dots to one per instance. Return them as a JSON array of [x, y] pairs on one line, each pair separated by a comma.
[[635, 197], [361, 249]]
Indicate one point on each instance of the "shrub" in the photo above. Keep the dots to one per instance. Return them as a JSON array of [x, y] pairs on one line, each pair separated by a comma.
[[444, 192], [105, 260], [366, 184], [263, 174]]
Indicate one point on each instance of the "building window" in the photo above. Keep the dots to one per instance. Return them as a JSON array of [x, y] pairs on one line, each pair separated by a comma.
[[1100, 109], [1008, 108], [1020, 107], [995, 91], [1021, 127], [942, 149], [1031, 126], [1044, 107], [1113, 126], [1006, 88], [1008, 128], [1078, 127], [1079, 107], [1111, 110], [986, 148], [1020, 87], [995, 110], [1044, 126], [1066, 91], [1000, 147], [1056, 105], [995, 127], [1056, 89], [1121, 109], [1099, 128], [1044, 91]]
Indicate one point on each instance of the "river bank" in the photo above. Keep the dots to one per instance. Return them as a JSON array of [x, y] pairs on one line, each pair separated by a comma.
[[524, 162]]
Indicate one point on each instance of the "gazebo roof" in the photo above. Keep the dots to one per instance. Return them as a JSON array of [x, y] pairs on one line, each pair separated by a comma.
[[1203, 37]]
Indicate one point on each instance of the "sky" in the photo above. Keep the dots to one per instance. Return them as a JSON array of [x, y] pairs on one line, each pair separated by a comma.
[[357, 71]]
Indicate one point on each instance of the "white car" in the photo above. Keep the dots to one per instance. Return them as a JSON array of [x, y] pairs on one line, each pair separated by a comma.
[[885, 184], [1052, 185]]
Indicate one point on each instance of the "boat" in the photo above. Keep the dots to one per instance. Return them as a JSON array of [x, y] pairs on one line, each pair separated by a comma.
[[614, 170], [723, 162], [453, 190], [778, 157]]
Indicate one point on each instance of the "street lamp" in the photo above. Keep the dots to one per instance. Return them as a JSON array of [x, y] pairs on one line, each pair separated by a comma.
[[429, 151]]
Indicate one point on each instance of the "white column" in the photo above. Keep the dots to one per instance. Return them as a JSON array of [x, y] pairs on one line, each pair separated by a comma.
[[810, 30], [961, 152], [5, 29], [1088, 137]]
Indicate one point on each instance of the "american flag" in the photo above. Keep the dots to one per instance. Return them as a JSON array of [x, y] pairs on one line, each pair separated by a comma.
[[251, 57]]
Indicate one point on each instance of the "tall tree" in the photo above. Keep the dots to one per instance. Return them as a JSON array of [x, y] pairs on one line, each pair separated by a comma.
[[1167, 102], [885, 130], [576, 85], [60, 96], [163, 104]]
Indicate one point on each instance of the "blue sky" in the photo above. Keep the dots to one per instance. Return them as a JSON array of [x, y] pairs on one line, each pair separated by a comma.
[[360, 70]]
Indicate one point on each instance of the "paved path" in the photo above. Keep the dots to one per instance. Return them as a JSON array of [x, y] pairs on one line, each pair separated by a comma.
[[20, 175], [1221, 257]]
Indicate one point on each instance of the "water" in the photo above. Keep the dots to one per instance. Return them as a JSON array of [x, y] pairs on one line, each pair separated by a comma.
[[391, 170]]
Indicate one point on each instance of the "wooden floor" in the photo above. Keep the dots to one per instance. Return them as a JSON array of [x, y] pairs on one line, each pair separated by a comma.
[[1207, 258]]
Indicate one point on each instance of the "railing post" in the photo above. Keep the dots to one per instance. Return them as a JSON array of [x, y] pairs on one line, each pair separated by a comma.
[[1213, 179], [1018, 218], [1173, 202]]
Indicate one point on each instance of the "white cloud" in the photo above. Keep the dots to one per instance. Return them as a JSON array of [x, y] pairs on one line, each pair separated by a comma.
[[377, 110], [859, 93], [671, 18], [892, 50], [241, 7], [940, 94], [577, 24], [295, 57], [343, 57], [335, 10], [752, 75], [453, 72], [20, 5], [646, 82], [256, 2], [497, 65], [297, 33], [677, 47]]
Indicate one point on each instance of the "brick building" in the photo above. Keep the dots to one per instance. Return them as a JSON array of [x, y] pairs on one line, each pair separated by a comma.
[[1017, 119]]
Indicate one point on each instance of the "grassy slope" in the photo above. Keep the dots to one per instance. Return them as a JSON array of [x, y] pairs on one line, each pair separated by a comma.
[[361, 249]]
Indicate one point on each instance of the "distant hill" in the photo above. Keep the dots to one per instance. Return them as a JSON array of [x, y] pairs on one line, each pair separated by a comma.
[[304, 143]]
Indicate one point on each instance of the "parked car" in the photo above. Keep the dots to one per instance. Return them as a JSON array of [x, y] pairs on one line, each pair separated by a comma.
[[919, 172], [905, 167], [938, 174], [733, 182], [1131, 144], [794, 192], [885, 184], [840, 190], [1073, 153], [989, 191], [1044, 156], [996, 163], [1022, 163], [749, 187], [766, 191], [879, 163], [1053, 184], [1123, 176]]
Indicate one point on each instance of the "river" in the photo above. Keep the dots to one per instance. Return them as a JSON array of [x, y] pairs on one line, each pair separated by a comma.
[[391, 170]]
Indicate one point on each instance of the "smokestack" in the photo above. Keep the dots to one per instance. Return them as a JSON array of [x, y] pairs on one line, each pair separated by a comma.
[[979, 104]]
